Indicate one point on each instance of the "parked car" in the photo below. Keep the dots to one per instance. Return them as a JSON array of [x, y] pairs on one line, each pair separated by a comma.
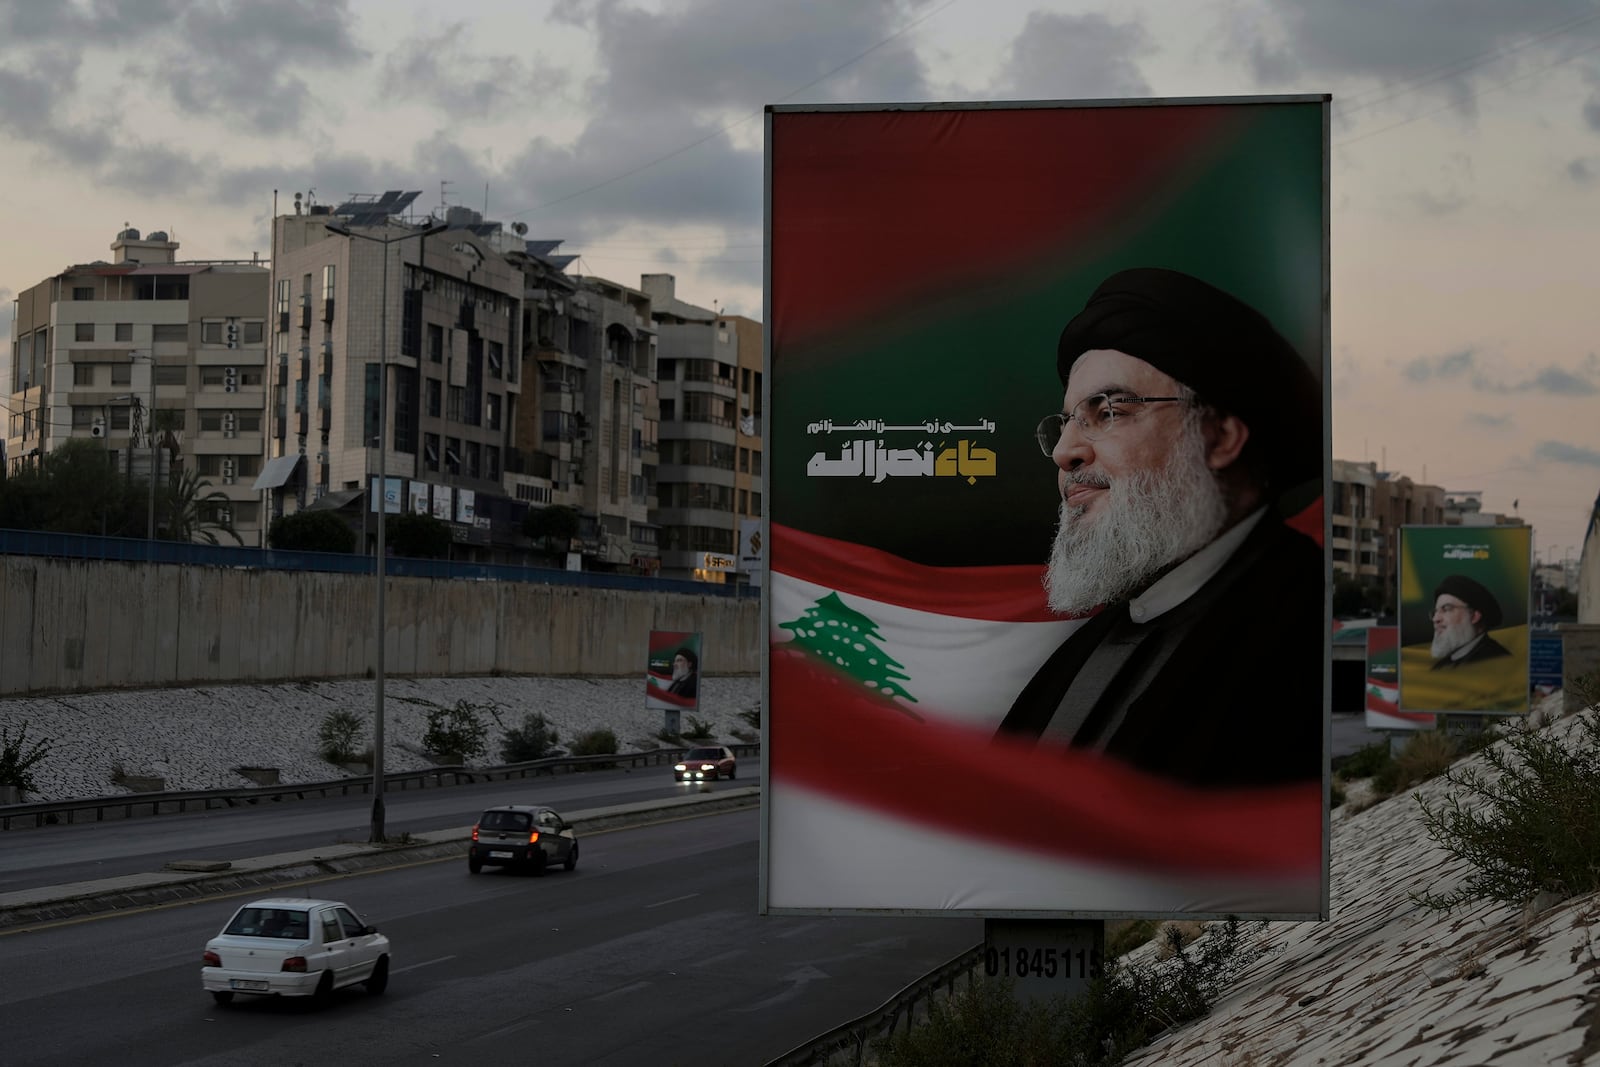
[[522, 837], [706, 763], [293, 947]]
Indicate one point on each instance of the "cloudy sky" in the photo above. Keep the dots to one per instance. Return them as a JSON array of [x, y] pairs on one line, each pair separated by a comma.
[[1466, 158]]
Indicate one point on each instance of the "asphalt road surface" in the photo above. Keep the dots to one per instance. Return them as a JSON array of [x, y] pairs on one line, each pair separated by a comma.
[[651, 952], [54, 855]]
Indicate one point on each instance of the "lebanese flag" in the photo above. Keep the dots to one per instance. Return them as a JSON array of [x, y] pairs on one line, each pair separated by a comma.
[[888, 788]]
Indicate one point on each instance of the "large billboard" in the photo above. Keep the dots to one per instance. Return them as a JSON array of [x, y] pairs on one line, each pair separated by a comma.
[[1047, 444], [672, 671], [1465, 593]]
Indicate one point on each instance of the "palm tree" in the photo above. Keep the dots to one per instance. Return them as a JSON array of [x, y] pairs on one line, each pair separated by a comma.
[[192, 510]]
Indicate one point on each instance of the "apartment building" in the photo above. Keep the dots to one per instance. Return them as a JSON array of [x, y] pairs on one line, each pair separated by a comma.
[[162, 359], [1353, 521], [708, 373], [1402, 502], [426, 313], [588, 433]]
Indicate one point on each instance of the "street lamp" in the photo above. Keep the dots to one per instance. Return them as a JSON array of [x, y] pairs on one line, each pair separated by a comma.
[[376, 835]]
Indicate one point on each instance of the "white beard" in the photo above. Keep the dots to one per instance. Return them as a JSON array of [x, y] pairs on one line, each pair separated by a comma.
[[1452, 637], [1149, 521]]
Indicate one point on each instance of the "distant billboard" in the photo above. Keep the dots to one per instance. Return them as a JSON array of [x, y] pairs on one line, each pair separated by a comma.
[[1465, 593], [672, 671], [939, 739], [1383, 684]]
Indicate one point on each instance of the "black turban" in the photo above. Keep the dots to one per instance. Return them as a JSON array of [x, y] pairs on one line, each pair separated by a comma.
[[1217, 345], [1474, 595]]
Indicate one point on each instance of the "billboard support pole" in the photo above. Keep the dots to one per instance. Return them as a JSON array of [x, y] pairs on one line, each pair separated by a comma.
[[1045, 959]]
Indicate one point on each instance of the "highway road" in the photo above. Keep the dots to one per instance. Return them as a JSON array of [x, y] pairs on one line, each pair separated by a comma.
[[651, 952], [54, 855]]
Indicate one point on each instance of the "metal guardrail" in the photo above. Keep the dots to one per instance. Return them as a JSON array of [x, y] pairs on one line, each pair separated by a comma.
[[131, 805], [856, 1038]]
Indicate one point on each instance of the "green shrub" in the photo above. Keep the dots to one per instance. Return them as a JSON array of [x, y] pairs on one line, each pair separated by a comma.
[[311, 531], [534, 739], [600, 742], [699, 730], [338, 736], [416, 535], [1426, 754], [1364, 762], [751, 717], [457, 731], [1528, 825], [1123, 936], [17, 760], [668, 738]]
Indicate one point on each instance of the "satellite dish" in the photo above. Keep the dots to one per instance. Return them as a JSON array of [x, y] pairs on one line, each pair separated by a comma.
[[519, 228]]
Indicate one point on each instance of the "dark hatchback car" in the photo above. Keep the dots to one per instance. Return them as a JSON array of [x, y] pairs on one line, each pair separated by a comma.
[[523, 838]]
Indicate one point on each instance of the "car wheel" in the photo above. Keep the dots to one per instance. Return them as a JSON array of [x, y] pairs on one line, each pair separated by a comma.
[[572, 857], [474, 865], [380, 977], [222, 996], [324, 994], [733, 772], [537, 865]]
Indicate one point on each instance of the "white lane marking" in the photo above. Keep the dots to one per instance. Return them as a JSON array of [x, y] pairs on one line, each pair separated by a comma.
[[424, 963], [674, 900]]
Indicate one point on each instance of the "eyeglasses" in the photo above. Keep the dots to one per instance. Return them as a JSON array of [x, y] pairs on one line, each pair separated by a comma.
[[1095, 415], [1453, 609]]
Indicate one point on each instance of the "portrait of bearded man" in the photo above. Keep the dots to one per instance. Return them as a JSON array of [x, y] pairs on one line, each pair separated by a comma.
[[1188, 428]]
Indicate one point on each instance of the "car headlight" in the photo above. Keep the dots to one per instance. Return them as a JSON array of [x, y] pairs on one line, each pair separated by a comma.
[[708, 766], [680, 767]]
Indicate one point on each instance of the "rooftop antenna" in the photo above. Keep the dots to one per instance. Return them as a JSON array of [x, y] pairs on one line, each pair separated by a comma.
[[444, 199]]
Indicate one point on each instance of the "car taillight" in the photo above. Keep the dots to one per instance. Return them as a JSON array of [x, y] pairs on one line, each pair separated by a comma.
[[533, 838], [211, 959], [474, 833], [297, 964]]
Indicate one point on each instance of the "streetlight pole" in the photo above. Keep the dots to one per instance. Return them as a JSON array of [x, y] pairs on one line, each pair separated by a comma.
[[376, 834]]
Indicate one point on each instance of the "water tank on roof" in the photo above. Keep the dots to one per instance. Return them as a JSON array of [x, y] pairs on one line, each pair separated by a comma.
[[130, 234], [157, 235], [459, 217], [321, 209]]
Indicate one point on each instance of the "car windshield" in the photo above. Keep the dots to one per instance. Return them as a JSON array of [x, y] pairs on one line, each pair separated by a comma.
[[504, 820], [705, 753], [270, 922]]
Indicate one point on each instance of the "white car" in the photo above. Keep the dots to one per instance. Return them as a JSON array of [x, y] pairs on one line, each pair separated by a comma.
[[293, 947]]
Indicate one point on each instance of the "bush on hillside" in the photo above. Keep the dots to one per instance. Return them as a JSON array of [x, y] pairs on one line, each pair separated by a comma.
[[602, 742], [699, 730], [1530, 823], [534, 739], [1426, 754], [338, 737], [311, 531], [457, 731], [17, 759]]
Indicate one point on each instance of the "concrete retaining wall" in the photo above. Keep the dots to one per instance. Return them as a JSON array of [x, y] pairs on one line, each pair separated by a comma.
[[72, 625]]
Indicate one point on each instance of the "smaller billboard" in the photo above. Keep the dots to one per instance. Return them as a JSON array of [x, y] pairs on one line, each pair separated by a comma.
[[672, 671], [466, 506], [419, 498], [1544, 661], [1465, 594], [752, 559], [1383, 684], [442, 502], [393, 492]]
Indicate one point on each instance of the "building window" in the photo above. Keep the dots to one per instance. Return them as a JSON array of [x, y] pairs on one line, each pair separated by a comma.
[[328, 275], [434, 390], [492, 419], [744, 502], [82, 374], [172, 374], [283, 300], [755, 503], [405, 410], [83, 292], [452, 455], [458, 403], [171, 418], [124, 331], [253, 331], [119, 418], [430, 451], [122, 374], [744, 462], [171, 332], [474, 459], [497, 358], [554, 425], [83, 331], [211, 332], [369, 424], [491, 463], [435, 343], [84, 416]]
